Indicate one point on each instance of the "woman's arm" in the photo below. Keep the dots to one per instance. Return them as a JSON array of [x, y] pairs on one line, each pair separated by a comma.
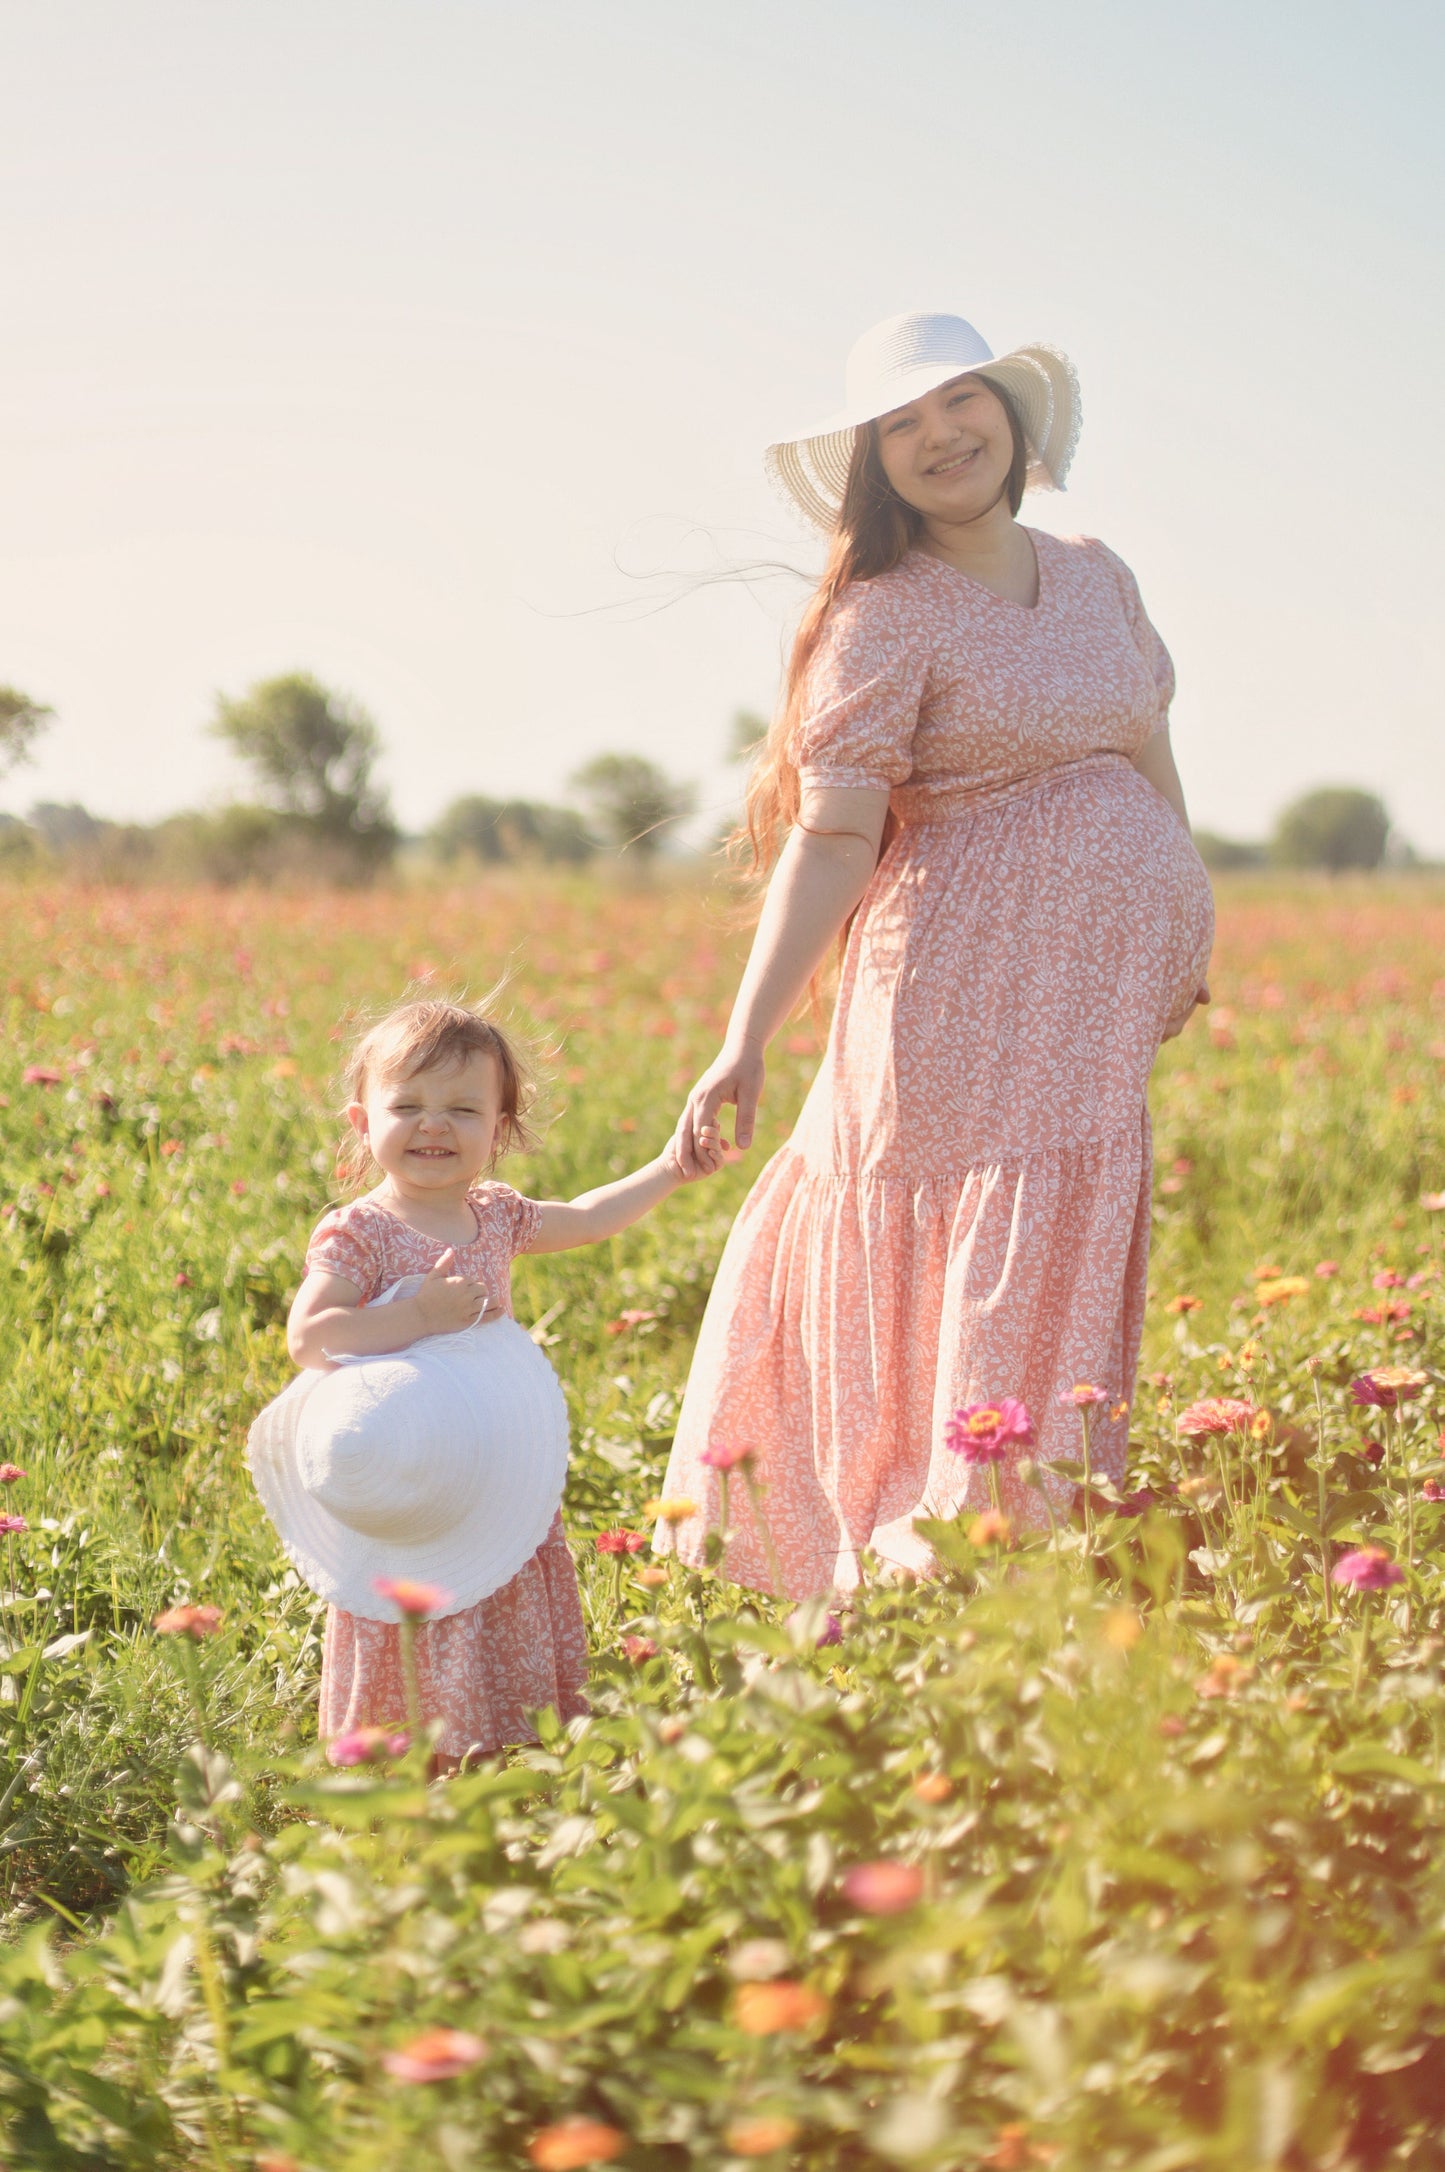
[[1155, 761], [822, 872], [608, 1208]]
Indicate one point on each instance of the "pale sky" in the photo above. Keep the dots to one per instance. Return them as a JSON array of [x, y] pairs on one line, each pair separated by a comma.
[[392, 341]]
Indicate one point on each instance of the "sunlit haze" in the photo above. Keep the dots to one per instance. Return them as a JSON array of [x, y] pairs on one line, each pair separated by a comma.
[[432, 348]]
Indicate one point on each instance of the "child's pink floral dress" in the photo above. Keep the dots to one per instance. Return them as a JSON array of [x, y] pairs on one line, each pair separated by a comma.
[[488, 1668]]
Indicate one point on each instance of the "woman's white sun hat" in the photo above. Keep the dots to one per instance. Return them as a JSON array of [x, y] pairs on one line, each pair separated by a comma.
[[898, 361], [443, 1464]]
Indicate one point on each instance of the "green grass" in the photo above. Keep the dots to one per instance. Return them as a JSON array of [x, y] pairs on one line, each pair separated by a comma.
[[1180, 1904]]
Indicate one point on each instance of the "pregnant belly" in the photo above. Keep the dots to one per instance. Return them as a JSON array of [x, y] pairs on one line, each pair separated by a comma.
[[1015, 968]]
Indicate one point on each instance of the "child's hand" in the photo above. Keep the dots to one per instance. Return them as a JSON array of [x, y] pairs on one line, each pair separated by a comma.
[[710, 1150], [448, 1302]]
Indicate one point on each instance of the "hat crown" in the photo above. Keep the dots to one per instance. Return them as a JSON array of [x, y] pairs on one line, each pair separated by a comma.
[[389, 1451], [921, 339]]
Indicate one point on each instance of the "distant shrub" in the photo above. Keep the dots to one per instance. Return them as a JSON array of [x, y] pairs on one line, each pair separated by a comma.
[[494, 830], [1223, 853], [1336, 827]]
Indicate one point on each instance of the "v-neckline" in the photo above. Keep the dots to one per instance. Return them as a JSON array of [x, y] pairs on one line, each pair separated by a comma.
[[1028, 610]]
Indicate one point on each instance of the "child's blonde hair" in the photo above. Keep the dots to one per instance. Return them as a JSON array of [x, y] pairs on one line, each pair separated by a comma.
[[433, 1034]]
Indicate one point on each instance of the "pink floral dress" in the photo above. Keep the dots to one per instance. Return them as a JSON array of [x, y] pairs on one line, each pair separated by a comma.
[[485, 1669], [962, 1211]]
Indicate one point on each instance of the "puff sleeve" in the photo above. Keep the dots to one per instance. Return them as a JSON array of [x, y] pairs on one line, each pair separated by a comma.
[[1156, 657], [863, 693], [347, 1243], [517, 1217]]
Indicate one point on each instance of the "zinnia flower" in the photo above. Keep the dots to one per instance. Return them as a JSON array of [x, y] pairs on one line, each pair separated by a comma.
[[183, 1621], [1213, 1415], [671, 1508], [984, 1432], [933, 1787], [620, 1542], [771, 2009], [40, 1074], [9, 1472], [571, 2143], [367, 1746], [639, 1649], [1184, 1303], [725, 1455], [435, 2055], [1368, 1568], [1279, 1289], [761, 2135], [9, 1524], [1432, 1490], [1327, 1268], [1083, 1395], [990, 1529], [1388, 1385], [883, 1889], [415, 1601]]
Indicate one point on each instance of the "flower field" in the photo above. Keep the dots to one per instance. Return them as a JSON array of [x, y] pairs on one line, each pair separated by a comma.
[[1117, 1846]]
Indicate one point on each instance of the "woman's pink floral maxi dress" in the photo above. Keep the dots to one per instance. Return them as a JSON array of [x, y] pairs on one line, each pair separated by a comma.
[[962, 1211], [487, 1668]]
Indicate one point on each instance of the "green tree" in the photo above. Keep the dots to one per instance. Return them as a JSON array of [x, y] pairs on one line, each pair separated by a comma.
[[312, 753], [21, 723], [1336, 827], [749, 730], [632, 801]]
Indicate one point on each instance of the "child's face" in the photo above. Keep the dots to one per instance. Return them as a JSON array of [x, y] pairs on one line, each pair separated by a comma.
[[433, 1131]]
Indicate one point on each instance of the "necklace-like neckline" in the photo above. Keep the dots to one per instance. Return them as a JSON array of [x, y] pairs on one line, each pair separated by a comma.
[[1029, 610]]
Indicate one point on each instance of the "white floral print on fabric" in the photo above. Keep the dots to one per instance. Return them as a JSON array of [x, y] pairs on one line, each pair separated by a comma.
[[487, 1668], [962, 1211]]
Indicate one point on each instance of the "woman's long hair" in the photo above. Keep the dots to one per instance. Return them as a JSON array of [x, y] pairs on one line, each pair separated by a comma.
[[875, 528]]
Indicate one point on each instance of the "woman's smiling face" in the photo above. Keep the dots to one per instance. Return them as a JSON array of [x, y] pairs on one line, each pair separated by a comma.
[[948, 454]]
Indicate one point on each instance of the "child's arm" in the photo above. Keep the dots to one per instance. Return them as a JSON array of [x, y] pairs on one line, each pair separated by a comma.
[[611, 1207], [329, 1320]]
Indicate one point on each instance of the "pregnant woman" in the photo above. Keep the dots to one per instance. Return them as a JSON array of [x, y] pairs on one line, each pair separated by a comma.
[[971, 775]]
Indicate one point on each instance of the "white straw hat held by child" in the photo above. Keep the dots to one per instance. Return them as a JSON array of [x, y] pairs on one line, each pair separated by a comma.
[[425, 1441]]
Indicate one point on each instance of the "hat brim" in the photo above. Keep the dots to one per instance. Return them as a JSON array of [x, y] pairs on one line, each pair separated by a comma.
[[487, 1543], [811, 469]]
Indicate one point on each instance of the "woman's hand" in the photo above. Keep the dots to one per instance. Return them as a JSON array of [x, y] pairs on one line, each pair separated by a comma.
[[735, 1076], [1201, 997], [447, 1301]]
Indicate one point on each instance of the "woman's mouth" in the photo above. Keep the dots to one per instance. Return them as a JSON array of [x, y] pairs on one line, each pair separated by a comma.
[[955, 463]]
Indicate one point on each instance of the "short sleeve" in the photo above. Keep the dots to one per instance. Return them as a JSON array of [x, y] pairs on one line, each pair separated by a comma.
[[518, 1218], [344, 1244], [1146, 640], [863, 692]]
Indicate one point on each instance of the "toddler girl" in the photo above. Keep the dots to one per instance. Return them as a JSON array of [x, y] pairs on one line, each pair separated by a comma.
[[436, 1097]]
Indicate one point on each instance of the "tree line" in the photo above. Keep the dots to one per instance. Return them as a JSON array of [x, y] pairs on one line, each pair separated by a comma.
[[318, 809]]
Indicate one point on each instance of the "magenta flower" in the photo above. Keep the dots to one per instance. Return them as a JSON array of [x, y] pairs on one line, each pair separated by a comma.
[[725, 1455], [1083, 1396], [985, 1432], [1215, 1415], [13, 1523], [886, 1888], [367, 1746], [1432, 1490], [620, 1542], [9, 1472], [1368, 1568], [1387, 1386], [415, 1601]]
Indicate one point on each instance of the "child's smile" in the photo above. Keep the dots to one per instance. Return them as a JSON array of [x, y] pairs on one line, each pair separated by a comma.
[[432, 1133]]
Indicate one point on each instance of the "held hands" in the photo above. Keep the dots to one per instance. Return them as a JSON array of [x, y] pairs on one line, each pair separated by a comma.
[[735, 1076], [447, 1302]]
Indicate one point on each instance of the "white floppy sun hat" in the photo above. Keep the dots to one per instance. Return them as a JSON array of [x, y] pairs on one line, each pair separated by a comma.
[[442, 1464], [898, 361]]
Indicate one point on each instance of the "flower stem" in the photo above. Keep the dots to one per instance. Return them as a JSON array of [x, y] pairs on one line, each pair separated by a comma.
[[755, 1501], [1320, 1495], [406, 1630], [1084, 1420]]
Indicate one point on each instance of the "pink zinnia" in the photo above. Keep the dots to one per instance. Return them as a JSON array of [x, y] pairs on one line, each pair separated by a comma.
[[1433, 1490], [725, 1455], [435, 2055], [620, 1542], [188, 1621], [415, 1601], [1083, 1396], [40, 1074], [9, 1472], [1368, 1568], [1215, 1414], [1387, 1386], [985, 1432], [639, 1649], [8, 1524], [883, 1889], [367, 1746]]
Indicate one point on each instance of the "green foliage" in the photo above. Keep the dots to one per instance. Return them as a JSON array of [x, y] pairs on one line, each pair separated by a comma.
[[1181, 1900], [749, 730], [21, 723], [634, 803], [312, 752], [490, 831], [1336, 827], [1225, 854]]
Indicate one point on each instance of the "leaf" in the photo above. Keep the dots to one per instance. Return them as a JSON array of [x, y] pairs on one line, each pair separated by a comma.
[[1372, 1757]]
